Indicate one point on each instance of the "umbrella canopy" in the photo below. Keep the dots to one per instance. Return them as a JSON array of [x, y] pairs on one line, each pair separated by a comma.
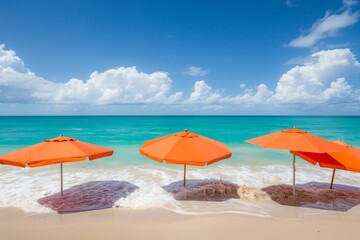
[[349, 159], [296, 140], [186, 148], [56, 150]]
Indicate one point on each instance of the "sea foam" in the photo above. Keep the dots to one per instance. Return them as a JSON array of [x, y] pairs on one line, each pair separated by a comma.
[[216, 188]]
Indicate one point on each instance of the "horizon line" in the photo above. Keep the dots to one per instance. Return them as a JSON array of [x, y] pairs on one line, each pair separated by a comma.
[[182, 115]]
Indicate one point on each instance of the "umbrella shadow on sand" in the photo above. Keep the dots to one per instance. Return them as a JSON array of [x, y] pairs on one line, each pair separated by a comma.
[[203, 190], [88, 196], [316, 195]]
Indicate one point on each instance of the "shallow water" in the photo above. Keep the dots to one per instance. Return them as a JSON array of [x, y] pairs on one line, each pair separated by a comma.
[[128, 180], [218, 188]]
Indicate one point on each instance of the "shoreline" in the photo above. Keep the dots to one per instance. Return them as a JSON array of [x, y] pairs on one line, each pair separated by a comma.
[[115, 223], [214, 189]]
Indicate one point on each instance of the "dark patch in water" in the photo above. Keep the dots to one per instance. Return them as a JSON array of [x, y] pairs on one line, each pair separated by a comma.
[[88, 196], [203, 190], [316, 195]]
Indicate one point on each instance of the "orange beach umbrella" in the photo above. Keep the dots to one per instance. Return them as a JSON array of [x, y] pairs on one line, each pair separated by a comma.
[[56, 150], [296, 140], [348, 159], [185, 148]]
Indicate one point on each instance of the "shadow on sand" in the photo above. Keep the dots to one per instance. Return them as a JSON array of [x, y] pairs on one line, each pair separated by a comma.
[[203, 190], [88, 196], [316, 195]]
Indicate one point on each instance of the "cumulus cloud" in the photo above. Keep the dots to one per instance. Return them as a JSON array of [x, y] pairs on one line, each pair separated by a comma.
[[258, 96], [18, 83], [203, 93], [118, 86], [123, 85], [196, 71], [338, 89], [320, 79], [328, 26], [308, 83]]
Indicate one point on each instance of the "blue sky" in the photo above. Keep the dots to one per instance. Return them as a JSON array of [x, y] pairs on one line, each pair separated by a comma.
[[180, 57]]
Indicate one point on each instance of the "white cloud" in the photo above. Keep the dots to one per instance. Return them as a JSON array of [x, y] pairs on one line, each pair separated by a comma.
[[173, 99], [338, 89], [118, 86], [322, 79], [319, 80], [17, 83], [308, 83], [213, 107], [203, 93], [327, 26], [196, 71], [350, 3], [123, 85], [252, 97]]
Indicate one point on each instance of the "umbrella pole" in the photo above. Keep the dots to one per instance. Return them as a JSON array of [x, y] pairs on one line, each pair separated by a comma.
[[294, 193], [61, 174], [184, 175], [332, 179]]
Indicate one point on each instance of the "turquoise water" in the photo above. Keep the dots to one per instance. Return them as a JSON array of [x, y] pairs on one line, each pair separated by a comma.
[[125, 134], [250, 166]]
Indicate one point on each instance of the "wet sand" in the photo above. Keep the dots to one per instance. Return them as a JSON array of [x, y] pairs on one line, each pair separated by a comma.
[[205, 209], [121, 223]]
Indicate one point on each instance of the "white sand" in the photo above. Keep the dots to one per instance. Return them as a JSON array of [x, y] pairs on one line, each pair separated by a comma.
[[210, 209], [120, 223]]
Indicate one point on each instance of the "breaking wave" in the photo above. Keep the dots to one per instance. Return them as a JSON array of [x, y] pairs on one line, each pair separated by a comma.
[[252, 190]]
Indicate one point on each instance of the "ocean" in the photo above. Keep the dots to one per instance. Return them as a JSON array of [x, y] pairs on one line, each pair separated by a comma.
[[143, 183]]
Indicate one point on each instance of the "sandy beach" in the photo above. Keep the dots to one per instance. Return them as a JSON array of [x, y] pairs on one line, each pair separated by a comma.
[[115, 223], [179, 120], [127, 196], [205, 209]]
